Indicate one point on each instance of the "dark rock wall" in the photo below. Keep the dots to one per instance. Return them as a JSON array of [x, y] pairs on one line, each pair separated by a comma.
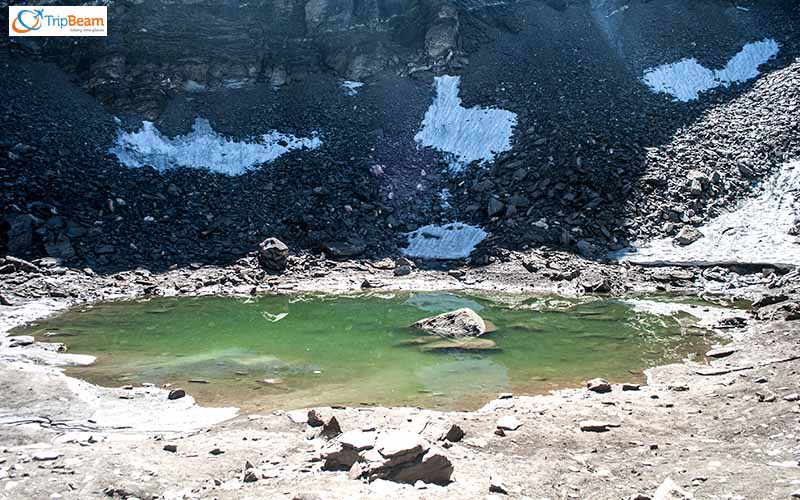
[[596, 155]]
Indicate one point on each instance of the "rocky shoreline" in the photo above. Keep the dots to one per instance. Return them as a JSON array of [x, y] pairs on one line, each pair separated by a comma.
[[725, 428]]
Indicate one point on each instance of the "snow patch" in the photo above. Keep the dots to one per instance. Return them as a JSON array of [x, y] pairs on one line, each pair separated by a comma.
[[466, 134], [756, 232], [442, 242], [351, 88], [686, 79], [203, 148]]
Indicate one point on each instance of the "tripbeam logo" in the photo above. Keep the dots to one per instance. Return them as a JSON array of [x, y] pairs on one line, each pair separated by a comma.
[[57, 21]]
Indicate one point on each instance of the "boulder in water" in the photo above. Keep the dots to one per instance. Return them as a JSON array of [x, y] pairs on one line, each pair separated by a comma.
[[457, 324]]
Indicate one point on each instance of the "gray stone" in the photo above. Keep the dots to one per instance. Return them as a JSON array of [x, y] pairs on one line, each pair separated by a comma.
[[343, 249], [344, 451], [496, 485], [434, 467], [21, 340], [272, 254], [298, 416], [687, 235], [669, 490], [496, 207], [396, 445], [441, 40], [768, 300], [46, 456], [509, 423], [60, 247], [402, 270], [176, 394], [455, 324], [21, 233], [454, 434], [720, 352], [596, 425], [598, 385]]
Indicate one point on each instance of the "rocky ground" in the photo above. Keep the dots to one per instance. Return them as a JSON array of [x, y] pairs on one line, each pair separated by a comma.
[[726, 429], [597, 162]]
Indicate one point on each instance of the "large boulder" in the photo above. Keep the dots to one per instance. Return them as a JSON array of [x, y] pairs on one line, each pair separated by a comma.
[[392, 455], [272, 254], [441, 40], [343, 452], [460, 323], [687, 236], [21, 233]]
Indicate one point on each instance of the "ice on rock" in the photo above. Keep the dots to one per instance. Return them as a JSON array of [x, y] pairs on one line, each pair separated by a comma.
[[686, 79], [351, 87], [203, 148], [467, 134], [756, 232], [442, 242]]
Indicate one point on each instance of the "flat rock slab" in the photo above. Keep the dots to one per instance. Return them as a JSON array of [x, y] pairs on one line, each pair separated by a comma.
[[396, 443], [509, 423], [597, 425], [721, 352], [46, 456], [465, 344], [358, 440]]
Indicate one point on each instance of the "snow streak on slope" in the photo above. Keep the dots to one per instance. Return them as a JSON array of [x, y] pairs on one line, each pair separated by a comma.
[[756, 232], [203, 148], [467, 134], [350, 87], [449, 241], [686, 79]]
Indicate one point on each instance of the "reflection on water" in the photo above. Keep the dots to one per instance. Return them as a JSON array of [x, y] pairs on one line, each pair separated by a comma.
[[292, 351]]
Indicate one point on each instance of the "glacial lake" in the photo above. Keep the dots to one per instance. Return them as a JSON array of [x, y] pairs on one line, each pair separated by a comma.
[[292, 351]]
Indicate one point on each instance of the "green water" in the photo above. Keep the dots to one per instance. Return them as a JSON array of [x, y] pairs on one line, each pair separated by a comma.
[[294, 351]]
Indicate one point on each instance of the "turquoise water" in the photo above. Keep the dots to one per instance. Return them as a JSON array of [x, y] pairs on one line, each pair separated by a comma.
[[293, 351]]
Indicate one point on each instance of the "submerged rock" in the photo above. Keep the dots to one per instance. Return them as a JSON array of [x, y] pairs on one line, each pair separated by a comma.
[[455, 324], [464, 344]]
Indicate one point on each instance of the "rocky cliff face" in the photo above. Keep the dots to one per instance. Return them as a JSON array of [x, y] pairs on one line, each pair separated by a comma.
[[595, 159], [161, 49]]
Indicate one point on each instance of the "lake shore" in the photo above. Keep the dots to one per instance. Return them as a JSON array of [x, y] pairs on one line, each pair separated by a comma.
[[720, 429]]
